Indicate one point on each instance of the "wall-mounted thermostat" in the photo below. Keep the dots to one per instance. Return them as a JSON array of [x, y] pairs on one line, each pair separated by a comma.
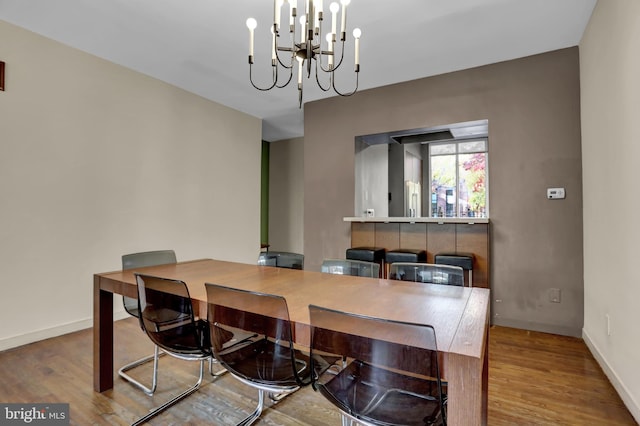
[[555, 193]]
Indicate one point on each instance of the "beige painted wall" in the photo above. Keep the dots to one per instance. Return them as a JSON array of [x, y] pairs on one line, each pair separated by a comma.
[[286, 195], [533, 108], [610, 70], [97, 161]]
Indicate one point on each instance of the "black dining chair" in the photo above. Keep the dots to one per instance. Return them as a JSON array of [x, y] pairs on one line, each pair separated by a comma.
[[389, 373], [281, 259], [358, 268], [133, 261], [252, 337], [166, 316], [427, 273]]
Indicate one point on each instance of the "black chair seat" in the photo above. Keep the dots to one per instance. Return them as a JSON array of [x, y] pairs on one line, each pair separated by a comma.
[[398, 399], [406, 255], [264, 361], [367, 254], [463, 260]]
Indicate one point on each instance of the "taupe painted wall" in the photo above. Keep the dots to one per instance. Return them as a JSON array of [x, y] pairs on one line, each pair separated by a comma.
[[533, 108], [286, 194]]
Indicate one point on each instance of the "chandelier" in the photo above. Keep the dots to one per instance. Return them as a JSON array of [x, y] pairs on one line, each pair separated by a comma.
[[310, 52]]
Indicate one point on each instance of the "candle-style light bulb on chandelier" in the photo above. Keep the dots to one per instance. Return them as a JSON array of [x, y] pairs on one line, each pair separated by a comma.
[[310, 45]]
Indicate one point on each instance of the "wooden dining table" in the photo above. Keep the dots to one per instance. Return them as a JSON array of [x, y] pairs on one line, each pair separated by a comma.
[[459, 315]]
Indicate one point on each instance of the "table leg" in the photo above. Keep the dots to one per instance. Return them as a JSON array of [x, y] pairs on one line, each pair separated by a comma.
[[467, 390], [485, 383], [102, 338]]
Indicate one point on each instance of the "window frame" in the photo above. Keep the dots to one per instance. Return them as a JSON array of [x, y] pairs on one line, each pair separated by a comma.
[[457, 154]]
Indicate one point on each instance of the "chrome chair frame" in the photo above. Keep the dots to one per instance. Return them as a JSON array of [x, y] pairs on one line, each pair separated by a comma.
[[231, 308], [197, 349], [133, 261]]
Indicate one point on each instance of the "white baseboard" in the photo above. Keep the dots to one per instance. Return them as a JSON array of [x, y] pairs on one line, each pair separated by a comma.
[[47, 333], [627, 398]]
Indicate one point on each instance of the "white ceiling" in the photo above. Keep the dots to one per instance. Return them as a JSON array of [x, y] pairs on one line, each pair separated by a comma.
[[202, 45]]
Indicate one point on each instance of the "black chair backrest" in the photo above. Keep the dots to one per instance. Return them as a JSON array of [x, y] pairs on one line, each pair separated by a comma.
[[166, 315], [397, 345], [281, 259], [397, 356], [246, 326], [148, 258], [356, 268], [427, 273], [140, 260]]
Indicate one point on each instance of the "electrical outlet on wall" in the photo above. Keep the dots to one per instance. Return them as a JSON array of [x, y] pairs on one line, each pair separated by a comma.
[[554, 295], [496, 314]]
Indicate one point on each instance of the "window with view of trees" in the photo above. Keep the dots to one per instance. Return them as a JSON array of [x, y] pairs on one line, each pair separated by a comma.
[[459, 178]]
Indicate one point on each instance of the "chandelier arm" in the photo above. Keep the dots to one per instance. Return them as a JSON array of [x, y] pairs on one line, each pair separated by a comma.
[[326, 53], [285, 66], [285, 49], [318, 78], [263, 89], [288, 81], [277, 49], [350, 93], [335, 67]]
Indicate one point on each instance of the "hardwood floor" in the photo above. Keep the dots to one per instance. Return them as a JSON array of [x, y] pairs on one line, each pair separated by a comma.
[[545, 379], [534, 378]]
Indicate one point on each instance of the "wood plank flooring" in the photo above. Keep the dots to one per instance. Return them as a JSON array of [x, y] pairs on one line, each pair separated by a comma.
[[534, 379]]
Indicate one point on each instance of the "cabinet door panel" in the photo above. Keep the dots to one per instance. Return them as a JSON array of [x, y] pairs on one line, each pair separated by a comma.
[[441, 238], [475, 239], [388, 235], [413, 236], [362, 234]]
